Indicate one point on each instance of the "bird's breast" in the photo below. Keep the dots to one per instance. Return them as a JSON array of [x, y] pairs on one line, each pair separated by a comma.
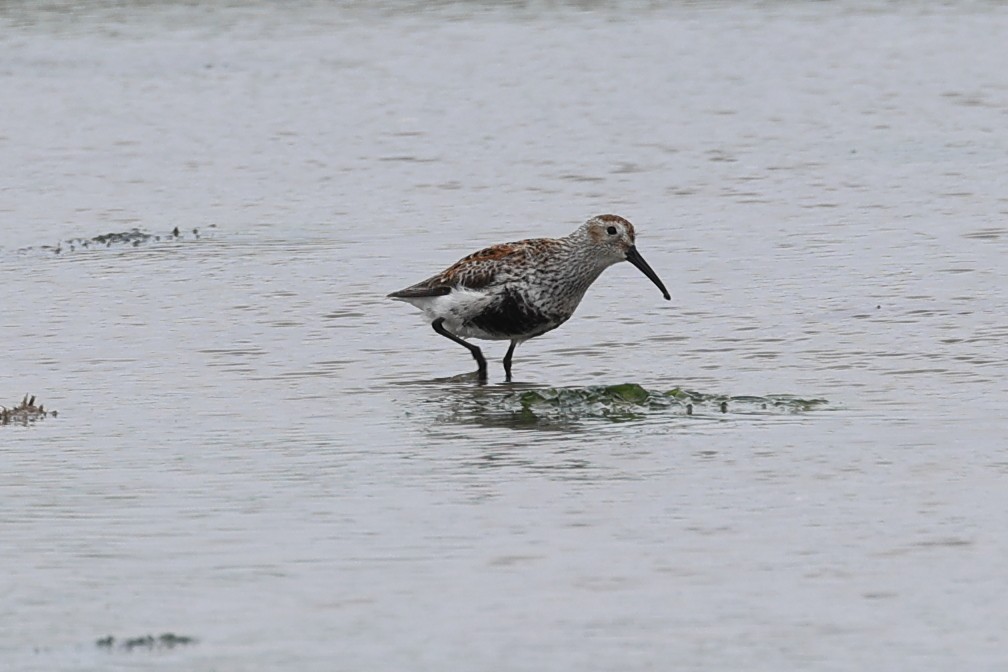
[[515, 314]]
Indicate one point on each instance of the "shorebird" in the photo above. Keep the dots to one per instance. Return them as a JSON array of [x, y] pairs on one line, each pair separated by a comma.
[[520, 290]]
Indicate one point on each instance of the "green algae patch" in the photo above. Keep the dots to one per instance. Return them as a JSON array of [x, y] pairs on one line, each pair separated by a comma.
[[798, 404], [567, 407], [613, 402], [629, 392]]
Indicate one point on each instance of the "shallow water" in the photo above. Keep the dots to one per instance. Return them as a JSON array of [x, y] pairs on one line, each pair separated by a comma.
[[256, 449]]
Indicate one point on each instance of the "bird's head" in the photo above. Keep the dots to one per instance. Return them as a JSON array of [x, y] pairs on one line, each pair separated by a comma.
[[613, 238]]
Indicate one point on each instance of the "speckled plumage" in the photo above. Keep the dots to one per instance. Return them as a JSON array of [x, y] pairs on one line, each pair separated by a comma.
[[520, 290]]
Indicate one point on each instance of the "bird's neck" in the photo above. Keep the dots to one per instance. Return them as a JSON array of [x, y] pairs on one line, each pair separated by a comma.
[[582, 265]]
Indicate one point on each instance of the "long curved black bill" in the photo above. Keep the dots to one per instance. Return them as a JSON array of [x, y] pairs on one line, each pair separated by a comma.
[[633, 256]]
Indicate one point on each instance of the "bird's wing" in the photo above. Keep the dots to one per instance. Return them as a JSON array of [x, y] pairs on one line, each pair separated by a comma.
[[475, 271], [421, 290]]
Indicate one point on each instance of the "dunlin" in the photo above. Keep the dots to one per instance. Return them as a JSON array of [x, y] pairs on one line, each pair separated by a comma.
[[517, 291]]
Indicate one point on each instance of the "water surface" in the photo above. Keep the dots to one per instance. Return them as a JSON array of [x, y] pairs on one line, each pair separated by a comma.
[[256, 449]]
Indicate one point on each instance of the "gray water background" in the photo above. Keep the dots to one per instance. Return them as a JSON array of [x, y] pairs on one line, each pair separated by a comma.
[[255, 448]]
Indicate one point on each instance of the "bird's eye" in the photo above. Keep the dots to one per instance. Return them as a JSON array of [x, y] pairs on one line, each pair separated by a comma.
[[611, 230]]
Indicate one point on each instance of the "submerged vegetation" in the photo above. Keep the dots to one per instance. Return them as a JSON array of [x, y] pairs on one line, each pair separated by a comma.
[[166, 641], [563, 406], [24, 413], [135, 237]]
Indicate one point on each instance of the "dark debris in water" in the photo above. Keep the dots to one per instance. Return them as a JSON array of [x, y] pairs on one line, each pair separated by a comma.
[[135, 237], [149, 642], [24, 413], [627, 402]]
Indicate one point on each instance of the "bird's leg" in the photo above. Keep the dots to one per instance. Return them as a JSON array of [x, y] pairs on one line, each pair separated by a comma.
[[477, 354], [507, 361]]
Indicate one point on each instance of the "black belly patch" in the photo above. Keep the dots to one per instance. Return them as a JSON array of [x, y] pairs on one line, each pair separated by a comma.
[[511, 315]]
